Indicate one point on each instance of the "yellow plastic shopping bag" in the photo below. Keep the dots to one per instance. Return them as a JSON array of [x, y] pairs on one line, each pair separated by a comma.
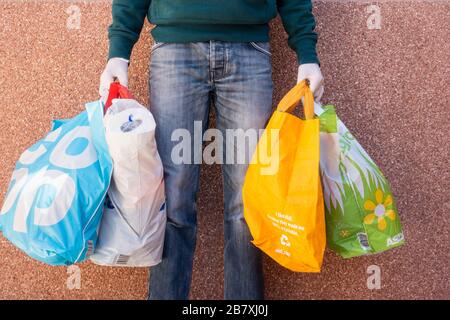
[[282, 194]]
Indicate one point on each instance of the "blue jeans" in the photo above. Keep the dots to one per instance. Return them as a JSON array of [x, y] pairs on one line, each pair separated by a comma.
[[185, 79]]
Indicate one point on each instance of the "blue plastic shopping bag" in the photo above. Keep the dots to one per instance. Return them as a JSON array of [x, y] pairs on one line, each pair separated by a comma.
[[54, 203]]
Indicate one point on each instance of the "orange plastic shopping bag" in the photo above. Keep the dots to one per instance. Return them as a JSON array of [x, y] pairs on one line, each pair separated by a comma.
[[283, 202]]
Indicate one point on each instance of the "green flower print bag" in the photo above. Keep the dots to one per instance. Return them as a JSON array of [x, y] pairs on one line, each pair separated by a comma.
[[361, 215]]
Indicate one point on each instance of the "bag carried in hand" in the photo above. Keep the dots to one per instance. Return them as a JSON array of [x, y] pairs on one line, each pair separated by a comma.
[[55, 199], [282, 194], [361, 216], [133, 224]]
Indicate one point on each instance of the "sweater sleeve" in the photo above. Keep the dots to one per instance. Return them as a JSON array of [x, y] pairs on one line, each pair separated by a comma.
[[299, 23], [127, 20]]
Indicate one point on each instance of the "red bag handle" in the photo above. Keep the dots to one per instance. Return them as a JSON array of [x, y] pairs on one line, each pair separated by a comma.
[[117, 91]]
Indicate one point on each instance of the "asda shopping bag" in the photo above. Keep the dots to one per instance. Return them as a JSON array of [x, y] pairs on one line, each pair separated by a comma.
[[361, 215], [55, 199], [133, 224], [282, 194]]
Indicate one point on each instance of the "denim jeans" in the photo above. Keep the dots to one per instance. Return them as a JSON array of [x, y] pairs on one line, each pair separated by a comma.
[[185, 80]]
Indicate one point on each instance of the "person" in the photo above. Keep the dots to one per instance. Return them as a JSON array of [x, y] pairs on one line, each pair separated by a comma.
[[208, 53]]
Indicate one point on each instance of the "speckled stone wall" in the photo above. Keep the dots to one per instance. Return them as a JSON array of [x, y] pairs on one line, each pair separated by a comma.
[[390, 86]]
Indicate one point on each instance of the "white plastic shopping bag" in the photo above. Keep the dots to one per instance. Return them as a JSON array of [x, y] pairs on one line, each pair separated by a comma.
[[133, 223]]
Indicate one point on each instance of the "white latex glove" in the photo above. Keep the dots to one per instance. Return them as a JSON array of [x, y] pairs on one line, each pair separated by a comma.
[[311, 71], [115, 68]]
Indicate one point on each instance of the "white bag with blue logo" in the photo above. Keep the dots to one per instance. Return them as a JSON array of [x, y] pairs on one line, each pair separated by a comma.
[[133, 224], [54, 203]]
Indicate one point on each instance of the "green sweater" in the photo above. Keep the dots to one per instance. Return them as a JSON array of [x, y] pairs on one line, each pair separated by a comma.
[[204, 20]]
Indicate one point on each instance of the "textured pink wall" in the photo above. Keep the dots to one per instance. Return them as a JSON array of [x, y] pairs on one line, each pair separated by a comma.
[[390, 87]]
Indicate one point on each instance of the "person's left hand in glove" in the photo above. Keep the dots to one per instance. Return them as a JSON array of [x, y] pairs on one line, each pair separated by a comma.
[[311, 71]]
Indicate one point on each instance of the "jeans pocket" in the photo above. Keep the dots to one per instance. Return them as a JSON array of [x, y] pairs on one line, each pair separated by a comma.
[[263, 47], [156, 45]]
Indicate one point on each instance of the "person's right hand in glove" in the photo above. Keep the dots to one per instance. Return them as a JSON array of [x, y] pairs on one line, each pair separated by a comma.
[[116, 68]]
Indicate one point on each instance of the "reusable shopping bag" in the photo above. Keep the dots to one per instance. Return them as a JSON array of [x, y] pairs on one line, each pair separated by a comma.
[[134, 220], [282, 194], [361, 215], [54, 203]]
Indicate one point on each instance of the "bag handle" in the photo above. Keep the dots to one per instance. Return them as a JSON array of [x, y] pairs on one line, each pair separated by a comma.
[[117, 91], [294, 96]]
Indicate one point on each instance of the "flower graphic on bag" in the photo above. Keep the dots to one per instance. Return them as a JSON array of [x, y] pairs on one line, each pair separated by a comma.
[[344, 233], [379, 210]]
